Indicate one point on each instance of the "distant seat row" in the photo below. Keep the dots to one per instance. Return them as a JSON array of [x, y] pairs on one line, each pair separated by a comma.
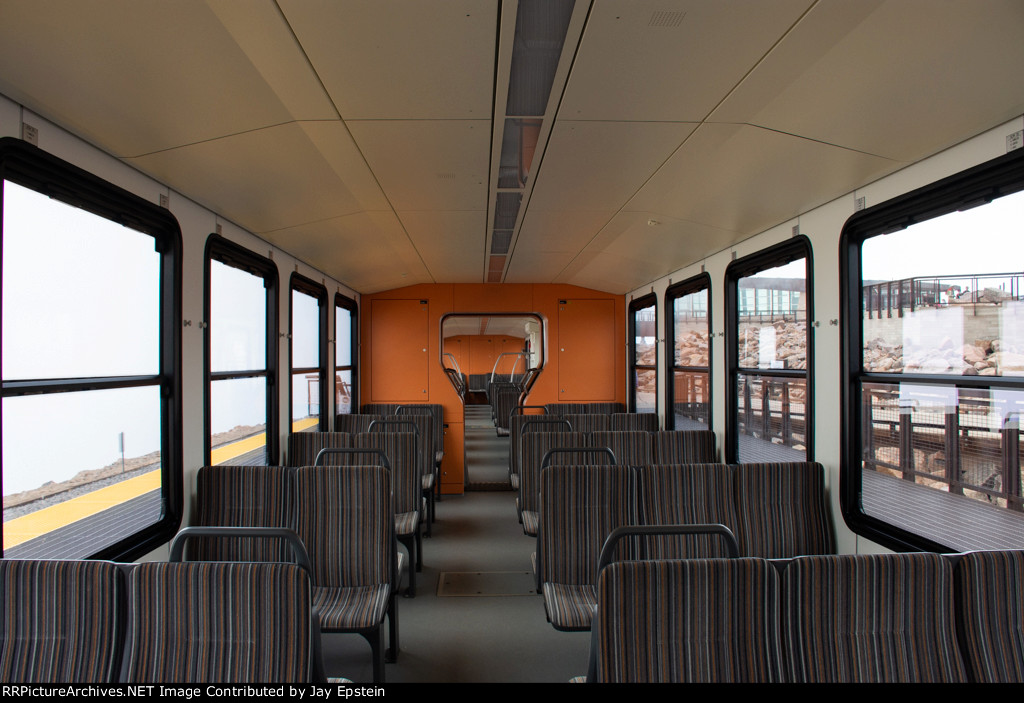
[[774, 510], [539, 446], [100, 622], [896, 618]]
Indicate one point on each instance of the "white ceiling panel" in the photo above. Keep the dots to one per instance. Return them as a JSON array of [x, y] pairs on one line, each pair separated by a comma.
[[357, 250], [333, 141], [874, 76], [401, 59], [139, 77], [566, 231], [670, 60], [531, 266], [231, 177], [600, 165], [451, 243], [428, 165], [746, 179]]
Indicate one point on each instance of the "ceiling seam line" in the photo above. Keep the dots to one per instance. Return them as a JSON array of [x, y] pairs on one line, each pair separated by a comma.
[[359, 149], [703, 122]]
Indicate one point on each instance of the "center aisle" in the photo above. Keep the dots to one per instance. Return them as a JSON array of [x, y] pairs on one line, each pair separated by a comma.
[[476, 639]]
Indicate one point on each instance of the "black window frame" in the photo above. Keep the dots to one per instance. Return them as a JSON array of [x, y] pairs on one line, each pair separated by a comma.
[[975, 186], [637, 304], [235, 255], [694, 284], [793, 249], [342, 301], [35, 169], [302, 284]]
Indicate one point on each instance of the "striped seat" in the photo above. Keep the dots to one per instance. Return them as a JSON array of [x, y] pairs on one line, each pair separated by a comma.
[[879, 618], [400, 450], [535, 446], [990, 615], [782, 510], [421, 425], [692, 621], [63, 621], [520, 424], [684, 447], [354, 424], [303, 447], [628, 422], [630, 448], [244, 496], [346, 520], [692, 494], [588, 422], [220, 623], [579, 507]]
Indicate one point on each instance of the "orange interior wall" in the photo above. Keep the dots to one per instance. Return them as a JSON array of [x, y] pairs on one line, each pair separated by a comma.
[[385, 327]]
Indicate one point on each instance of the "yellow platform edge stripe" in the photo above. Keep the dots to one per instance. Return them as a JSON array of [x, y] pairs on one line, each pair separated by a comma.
[[26, 527]]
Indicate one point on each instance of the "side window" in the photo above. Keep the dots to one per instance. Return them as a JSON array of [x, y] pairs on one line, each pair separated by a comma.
[[933, 294], [308, 351], [91, 432], [689, 329], [345, 326], [643, 325], [241, 355], [769, 347]]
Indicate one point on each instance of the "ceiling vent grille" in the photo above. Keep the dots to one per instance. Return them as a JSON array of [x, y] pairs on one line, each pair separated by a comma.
[[664, 18], [500, 241], [540, 33]]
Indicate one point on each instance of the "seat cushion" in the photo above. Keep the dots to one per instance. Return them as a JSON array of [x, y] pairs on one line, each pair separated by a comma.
[[348, 609], [570, 608]]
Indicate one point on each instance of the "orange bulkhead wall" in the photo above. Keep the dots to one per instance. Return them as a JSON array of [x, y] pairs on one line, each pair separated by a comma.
[[585, 356]]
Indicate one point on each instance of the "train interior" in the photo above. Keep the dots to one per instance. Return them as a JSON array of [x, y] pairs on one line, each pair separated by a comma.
[[666, 206]]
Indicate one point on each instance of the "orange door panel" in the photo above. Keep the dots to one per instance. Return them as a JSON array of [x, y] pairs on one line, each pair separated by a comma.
[[398, 367], [586, 350]]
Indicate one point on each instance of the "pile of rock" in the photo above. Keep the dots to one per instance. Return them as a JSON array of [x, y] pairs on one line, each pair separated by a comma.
[[985, 357], [790, 344]]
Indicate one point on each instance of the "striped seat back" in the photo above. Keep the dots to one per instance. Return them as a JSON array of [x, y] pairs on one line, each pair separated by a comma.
[[304, 446], [693, 621], [630, 448], [686, 494], [346, 519], [588, 422], [579, 507], [354, 424], [243, 496], [436, 411], [63, 621], [627, 422], [535, 446], [518, 427], [990, 615], [783, 510], [379, 408], [684, 447], [875, 618], [219, 622], [400, 450], [424, 426]]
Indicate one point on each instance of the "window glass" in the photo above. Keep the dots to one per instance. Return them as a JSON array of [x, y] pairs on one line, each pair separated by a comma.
[[89, 341], [770, 395], [306, 373], [344, 393], [109, 326], [238, 319], [690, 382], [645, 354], [940, 352]]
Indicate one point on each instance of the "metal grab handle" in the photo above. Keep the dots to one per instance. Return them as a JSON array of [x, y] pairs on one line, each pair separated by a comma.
[[288, 535], [546, 421], [406, 423], [583, 450], [641, 530], [352, 450], [528, 407]]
